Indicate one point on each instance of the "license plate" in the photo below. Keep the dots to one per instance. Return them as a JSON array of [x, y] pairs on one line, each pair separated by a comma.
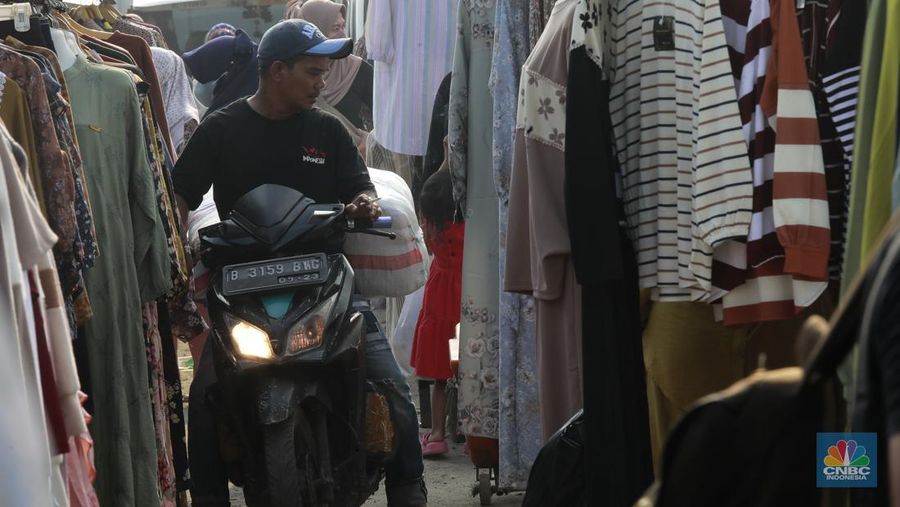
[[273, 274]]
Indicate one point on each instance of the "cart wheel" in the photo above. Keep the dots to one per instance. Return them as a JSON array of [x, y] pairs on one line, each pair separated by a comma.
[[484, 487]]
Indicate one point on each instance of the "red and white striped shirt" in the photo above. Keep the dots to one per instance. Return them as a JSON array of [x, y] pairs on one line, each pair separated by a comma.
[[783, 267]]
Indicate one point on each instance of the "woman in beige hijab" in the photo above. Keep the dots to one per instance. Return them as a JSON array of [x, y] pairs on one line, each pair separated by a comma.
[[348, 85]]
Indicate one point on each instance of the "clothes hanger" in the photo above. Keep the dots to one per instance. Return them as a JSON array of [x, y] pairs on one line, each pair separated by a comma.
[[109, 11], [95, 12], [79, 29]]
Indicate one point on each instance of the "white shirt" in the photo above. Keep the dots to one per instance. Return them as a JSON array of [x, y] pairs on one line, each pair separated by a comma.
[[411, 42]]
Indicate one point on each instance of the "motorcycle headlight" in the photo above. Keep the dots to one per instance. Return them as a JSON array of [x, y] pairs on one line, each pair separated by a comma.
[[310, 330], [249, 340]]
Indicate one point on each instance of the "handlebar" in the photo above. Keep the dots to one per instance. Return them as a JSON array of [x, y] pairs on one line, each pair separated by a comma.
[[363, 227]]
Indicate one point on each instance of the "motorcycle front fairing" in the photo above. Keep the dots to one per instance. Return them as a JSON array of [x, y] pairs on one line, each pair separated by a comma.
[[294, 353]]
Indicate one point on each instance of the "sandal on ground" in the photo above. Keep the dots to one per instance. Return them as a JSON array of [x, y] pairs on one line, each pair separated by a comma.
[[435, 448]]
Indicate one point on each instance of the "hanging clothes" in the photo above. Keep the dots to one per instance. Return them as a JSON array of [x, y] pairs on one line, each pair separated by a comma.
[[895, 189], [411, 43], [817, 23], [538, 260], [606, 269], [24, 234], [876, 135], [143, 57], [52, 169], [470, 168], [130, 232], [687, 182], [178, 98], [782, 266], [538, 14], [519, 429]]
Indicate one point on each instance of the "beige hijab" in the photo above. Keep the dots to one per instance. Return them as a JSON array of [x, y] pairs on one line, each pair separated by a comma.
[[323, 14]]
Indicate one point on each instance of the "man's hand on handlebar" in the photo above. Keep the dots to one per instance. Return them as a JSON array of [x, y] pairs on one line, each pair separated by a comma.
[[364, 206]]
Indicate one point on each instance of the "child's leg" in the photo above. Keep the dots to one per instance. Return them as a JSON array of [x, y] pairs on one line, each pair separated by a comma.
[[438, 406]]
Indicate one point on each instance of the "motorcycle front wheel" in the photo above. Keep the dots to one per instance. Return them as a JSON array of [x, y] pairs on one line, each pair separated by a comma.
[[283, 478]]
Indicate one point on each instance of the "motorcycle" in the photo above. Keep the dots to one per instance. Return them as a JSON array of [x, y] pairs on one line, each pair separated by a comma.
[[299, 424]]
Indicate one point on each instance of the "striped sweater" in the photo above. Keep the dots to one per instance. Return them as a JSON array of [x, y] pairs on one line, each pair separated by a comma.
[[818, 20], [783, 267], [687, 184]]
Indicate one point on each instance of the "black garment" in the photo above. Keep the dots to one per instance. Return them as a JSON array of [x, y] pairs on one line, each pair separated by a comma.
[[38, 33], [236, 150], [434, 152], [618, 466], [356, 106]]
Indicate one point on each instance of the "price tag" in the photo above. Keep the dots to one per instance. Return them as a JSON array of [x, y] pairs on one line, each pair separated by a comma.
[[664, 33], [22, 21]]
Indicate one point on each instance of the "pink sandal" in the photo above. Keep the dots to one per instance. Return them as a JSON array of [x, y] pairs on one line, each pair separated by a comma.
[[435, 448]]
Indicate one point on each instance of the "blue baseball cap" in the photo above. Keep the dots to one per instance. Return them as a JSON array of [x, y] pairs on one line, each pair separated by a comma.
[[295, 37]]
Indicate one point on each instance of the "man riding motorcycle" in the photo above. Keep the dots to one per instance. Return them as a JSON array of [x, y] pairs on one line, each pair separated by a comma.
[[277, 136]]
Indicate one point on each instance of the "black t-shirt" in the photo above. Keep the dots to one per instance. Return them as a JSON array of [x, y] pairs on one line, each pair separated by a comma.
[[236, 150]]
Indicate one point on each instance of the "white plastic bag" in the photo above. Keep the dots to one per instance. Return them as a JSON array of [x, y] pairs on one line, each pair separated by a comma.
[[205, 215], [386, 267], [402, 337]]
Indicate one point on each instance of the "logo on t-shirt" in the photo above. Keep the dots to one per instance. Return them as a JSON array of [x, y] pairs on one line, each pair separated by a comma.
[[314, 155]]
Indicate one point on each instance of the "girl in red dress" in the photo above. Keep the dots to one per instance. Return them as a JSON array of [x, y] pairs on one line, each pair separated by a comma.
[[439, 316]]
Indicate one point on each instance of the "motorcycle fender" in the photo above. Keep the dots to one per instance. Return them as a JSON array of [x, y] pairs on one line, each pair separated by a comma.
[[275, 402]]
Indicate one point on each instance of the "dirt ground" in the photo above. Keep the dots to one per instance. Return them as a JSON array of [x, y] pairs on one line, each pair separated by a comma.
[[449, 478]]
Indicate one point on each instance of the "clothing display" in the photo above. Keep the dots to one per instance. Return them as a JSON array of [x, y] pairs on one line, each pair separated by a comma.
[[687, 189], [817, 25], [110, 132], [469, 134], [26, 235], [91, 113], [411, 43], [782, 266], [606, 269], [876, 135], [519, 428], [181, 109], [540, 263]]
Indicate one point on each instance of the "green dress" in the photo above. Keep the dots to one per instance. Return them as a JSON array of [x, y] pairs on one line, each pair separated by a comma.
[[132, 268]]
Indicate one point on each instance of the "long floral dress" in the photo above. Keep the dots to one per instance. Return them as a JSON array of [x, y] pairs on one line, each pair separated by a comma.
[[519, 420], [470, 165]]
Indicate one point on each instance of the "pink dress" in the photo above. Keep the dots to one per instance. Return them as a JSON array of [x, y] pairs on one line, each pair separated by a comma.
[[441, 305]]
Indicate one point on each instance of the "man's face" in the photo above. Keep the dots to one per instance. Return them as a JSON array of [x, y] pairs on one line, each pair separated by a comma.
[[299, 83]]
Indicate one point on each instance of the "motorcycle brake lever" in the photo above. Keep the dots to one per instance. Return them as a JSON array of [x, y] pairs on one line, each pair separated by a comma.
[[373, 232]]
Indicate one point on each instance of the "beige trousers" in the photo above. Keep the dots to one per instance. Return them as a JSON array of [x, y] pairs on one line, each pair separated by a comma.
[[689, 355]]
